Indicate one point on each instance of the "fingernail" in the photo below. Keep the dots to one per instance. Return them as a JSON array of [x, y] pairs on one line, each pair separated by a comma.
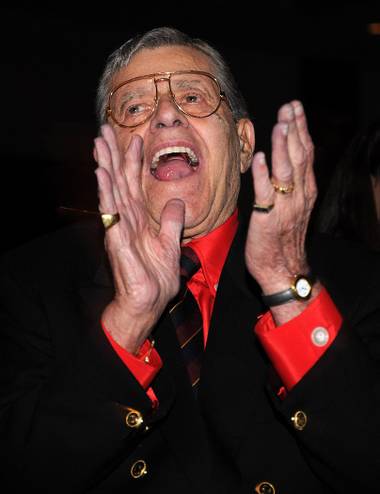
[[260, 157], [298, 109], [284, 128], [289, 111]]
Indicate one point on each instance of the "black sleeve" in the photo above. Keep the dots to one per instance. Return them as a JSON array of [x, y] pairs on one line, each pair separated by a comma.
[[64, 393], [340, 395]]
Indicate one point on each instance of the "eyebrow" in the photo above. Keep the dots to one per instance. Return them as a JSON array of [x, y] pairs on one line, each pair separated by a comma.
[[188, 83], [138, 91], [185, 82]]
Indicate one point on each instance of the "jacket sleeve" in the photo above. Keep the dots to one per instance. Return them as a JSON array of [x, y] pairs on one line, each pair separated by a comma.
[[333, 412], [70, 410]]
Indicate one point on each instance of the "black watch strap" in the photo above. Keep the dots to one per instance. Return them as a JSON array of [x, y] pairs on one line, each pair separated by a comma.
[[279, 298], [290, 294]]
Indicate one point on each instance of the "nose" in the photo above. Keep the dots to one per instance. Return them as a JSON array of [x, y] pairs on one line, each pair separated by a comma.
[[166, 114]]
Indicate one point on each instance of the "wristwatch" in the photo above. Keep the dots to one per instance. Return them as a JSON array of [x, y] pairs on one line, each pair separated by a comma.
[[300, 289]]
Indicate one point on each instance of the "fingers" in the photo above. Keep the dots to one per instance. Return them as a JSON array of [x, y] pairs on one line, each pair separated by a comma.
[[292, 157], [129, 165], [263, 189], [282, 169], [172, 220], [120, 187], [103, 157], [301, 123], [107, 203], [110, 138], [104, 174], [308, 146], [125, 171], [133, 165], [295, 148]]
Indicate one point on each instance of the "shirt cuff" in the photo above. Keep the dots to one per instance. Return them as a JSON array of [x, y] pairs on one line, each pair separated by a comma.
[[143, 366], [297, 345]]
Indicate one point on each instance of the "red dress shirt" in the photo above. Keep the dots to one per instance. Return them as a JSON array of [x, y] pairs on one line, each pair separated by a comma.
[[293, 348]]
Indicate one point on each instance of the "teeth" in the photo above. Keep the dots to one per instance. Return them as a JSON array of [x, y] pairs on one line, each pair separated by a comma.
[[174, 149]]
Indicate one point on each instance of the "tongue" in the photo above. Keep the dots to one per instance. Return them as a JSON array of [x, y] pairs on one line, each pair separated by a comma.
[[173, 169]]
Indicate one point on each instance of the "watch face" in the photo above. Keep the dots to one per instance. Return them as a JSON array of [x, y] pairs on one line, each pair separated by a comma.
[[303, 287]]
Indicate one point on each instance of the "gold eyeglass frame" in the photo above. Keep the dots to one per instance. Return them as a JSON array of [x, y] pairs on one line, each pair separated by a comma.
[[166, 76]]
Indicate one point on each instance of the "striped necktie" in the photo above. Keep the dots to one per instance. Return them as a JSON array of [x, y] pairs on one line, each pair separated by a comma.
[[187, 317]]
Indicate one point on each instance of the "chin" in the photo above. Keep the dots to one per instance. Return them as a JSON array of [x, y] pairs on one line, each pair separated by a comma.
[[194, 215]]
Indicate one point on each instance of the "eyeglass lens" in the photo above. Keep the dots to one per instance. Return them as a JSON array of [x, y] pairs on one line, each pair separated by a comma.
[[196, 95]]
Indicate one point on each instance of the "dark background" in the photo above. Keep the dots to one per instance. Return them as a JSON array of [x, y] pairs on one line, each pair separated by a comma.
[[52, 58]]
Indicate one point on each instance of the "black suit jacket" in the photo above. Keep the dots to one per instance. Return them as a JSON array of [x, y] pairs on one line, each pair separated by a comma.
[[65, 393]]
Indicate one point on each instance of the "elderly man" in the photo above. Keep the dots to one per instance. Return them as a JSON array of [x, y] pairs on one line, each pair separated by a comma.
[[241, 378]]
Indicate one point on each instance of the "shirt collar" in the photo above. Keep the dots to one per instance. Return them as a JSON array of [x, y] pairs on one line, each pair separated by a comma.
[[212, 249]]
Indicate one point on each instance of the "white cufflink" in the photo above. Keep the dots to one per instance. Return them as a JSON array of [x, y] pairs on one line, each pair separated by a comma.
[[320, 336]]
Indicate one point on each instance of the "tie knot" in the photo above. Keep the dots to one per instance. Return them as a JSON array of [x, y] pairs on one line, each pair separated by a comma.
[[189, 263]]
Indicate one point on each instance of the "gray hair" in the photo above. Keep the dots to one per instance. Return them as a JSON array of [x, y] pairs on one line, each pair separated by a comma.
[[166, 36]]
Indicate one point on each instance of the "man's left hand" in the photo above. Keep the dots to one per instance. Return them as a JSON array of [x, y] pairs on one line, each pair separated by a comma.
[[275, 249]]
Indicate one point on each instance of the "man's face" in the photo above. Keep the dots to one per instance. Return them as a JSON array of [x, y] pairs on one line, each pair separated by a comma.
[[209, 189]]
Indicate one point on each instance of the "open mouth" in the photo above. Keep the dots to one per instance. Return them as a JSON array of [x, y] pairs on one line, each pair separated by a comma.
[[174, 163]]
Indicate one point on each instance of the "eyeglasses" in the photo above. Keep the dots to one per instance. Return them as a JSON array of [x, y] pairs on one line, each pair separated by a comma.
[[195, 93]]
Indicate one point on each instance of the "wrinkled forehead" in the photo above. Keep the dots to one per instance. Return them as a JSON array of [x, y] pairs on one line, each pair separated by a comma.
[[164, 59]]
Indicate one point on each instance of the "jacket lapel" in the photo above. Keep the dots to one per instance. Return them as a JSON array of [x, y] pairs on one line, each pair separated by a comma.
[[235, 367]]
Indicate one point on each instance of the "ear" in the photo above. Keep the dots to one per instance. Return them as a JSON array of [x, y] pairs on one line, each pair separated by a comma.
[[246, 133]]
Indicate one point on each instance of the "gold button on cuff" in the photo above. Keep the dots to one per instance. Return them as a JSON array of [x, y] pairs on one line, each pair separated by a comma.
[[139, 469], [265, 488], [133, 419], [299, 420]]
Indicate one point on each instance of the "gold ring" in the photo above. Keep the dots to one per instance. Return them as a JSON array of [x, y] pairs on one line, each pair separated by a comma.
[[283, 189], [110, 219], [262, 208]]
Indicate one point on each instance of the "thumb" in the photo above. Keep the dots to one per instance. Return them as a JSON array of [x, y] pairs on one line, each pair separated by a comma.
[[172, 220]]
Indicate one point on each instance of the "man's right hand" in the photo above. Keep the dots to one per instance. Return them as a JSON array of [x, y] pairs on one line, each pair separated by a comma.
[[145, 264]]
